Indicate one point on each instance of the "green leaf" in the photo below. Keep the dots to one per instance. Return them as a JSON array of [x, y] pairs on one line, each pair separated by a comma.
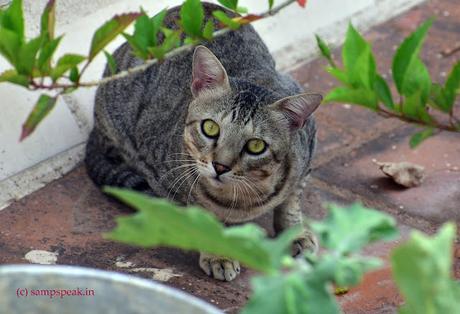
[[452, 86], [13, 77], [43, 106], [350, 270], [208, 31], [414, 108], [339, 230], [27, 56], [293, 292], [407, 59], [383, 92], [10, 45], [46, 54], [361, 97], [224, 19], [13, 19], [422, 270], [419, 137], [160, 223], [339, 74], [231, 4], [111, 62], [270, 4], [437, 98], [192, 16], [48, 19], [74, 75], [65, 63], [108, 31], [325, 50]]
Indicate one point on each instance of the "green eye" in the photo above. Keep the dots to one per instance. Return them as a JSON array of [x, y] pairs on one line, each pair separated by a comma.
[[256, 146], [210, 128]]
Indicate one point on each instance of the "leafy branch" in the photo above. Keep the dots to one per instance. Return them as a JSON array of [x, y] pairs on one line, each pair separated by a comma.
[[34, 68], [422, 102]]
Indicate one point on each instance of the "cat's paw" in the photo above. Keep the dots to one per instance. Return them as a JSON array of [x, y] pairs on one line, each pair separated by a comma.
[[219, 267], [306, 242]]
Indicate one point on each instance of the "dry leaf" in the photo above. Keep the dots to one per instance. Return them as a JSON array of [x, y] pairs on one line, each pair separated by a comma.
[[404, 173]]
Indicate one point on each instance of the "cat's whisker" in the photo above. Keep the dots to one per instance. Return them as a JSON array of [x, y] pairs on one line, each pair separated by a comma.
[[181, 179], [164, 176], [254, 190], [192, 186], [191, 174], [229, 211]]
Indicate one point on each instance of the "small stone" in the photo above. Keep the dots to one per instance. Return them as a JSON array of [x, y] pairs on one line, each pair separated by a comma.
[[445, 13], [404, 173], [393, 147], [401, 207], [347, 106]]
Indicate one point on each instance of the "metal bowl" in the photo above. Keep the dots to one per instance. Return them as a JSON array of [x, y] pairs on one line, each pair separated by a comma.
[[41, 289]]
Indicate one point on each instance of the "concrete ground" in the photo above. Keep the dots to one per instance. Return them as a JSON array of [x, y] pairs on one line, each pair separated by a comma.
[[69, 215]]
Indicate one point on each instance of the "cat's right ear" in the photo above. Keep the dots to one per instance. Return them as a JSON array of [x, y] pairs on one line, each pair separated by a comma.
[[207, 71]]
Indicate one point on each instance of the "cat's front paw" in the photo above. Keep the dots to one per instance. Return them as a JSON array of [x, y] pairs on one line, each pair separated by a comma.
[[306, 242], [219, 267]]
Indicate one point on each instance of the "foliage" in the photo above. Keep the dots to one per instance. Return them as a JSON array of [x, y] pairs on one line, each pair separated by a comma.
[[361, 84], [422, 271], [301, 285], [32, 60]]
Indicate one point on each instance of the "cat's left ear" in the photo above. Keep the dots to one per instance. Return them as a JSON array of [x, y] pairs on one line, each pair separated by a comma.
[[296, 109], [207, 72]]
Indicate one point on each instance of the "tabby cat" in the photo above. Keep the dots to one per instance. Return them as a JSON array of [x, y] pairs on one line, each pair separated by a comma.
[[218, 127]]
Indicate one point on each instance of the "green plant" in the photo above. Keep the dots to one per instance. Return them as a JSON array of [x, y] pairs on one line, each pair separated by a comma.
[[301, 285], [361, 84], [34, 68]]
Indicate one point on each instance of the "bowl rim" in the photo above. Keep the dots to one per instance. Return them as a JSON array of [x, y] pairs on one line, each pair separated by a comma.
[[79, 271]]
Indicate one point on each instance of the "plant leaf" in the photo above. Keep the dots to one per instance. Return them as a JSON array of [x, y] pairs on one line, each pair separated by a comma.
[[325, 50], [451, 87], [160, 223], [108, 31], [407, 59], [27, 56], [192, 16], [338, 231], [48, 19], [270, 4], [419, 137], [13, 77], [13, 19], [42, 107], [208, 31], [46, 54], [231, 4], [338, 74], [111, 62], [422, 270], [224, 19], [10, 45], [383, 92], [65, 63], [361, 97]]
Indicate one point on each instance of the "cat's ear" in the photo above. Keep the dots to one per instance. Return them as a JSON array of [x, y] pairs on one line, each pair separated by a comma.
[[296, 109], [207, 71]]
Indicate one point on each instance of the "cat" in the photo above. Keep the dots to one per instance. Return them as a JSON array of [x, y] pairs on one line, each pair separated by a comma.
[[218, 127]]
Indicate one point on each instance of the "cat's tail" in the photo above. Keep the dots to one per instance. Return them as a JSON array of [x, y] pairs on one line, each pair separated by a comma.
[[106, 167]]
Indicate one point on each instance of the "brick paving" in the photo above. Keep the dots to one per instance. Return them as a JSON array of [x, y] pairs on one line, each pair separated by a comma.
[[69, 215]]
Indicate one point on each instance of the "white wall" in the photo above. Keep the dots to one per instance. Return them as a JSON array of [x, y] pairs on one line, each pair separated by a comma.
[[57, 144]]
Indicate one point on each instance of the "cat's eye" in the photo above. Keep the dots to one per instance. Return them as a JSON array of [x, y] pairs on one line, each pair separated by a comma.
[[256, 146], [210, 128]]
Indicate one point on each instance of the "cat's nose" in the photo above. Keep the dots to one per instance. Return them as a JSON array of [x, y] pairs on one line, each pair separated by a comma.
[[220, 168]]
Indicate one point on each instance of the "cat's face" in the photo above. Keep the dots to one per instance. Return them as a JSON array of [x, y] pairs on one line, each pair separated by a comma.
[[240, 136]]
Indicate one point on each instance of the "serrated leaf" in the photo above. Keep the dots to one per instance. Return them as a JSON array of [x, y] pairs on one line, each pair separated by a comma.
[[13, 77], [208, 30], [65, 63], [108, 31], [361, 97], [111, 62], [325, 50], [350, 269], [224, 19], [383, 92], [417, 138], [160, 223], [42, 107], [422, 270], [231, 4], [13, 19], [339, 230], [138, 50], [192, 16], [407, 58], [48, 19], [46, 54]]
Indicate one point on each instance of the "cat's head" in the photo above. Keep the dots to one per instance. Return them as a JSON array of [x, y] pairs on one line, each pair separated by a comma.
[[240, 134]]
